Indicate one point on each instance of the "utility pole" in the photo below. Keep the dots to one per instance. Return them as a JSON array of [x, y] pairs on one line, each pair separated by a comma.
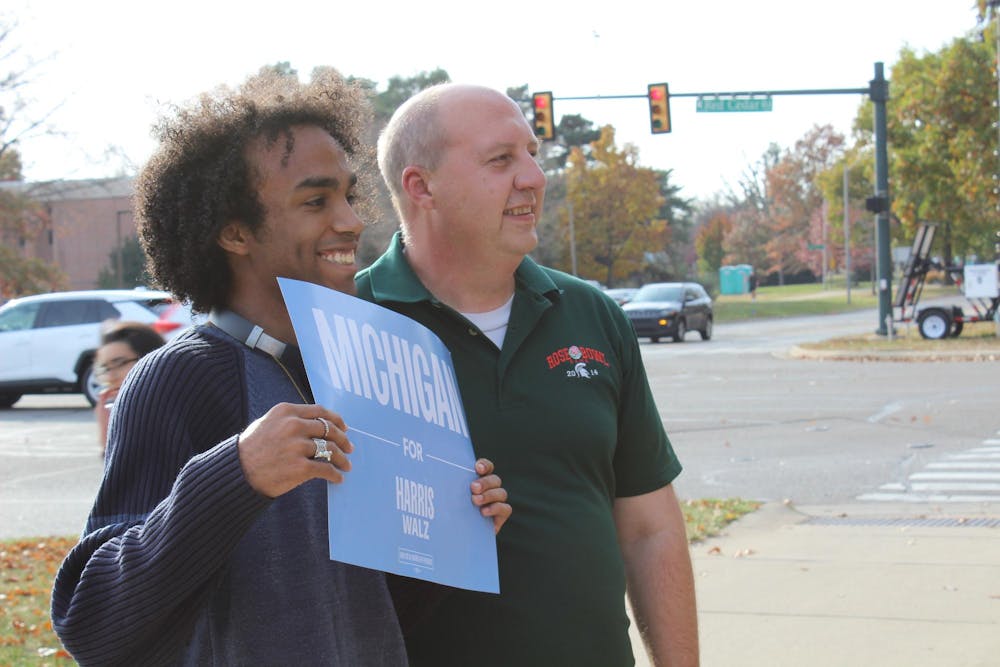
[[994, 5], [847, 232], [879, 204], [760, 100], [826, 240]]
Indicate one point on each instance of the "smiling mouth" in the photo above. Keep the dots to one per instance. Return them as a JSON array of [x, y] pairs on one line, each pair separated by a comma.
[[518, 210], [341, 257]]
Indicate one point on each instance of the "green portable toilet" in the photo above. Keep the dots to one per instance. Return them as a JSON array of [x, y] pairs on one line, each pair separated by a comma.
[[728, 280], [743, 272], [735, 279]]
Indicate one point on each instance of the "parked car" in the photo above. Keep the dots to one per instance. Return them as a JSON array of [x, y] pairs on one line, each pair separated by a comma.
[[670, 309], [621, 295], [47, 341]]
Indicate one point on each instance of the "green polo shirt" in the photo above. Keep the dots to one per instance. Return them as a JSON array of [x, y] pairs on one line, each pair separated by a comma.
[[565, 412]]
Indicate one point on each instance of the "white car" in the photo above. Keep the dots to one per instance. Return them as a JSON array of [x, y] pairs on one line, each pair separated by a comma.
[[47, 341]]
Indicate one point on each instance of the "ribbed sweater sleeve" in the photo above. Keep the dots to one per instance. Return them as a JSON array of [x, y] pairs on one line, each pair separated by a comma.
[[173, 504]]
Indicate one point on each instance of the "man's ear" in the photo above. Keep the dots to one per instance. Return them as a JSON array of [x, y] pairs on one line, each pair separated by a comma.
[[233, 238], [416, 186]]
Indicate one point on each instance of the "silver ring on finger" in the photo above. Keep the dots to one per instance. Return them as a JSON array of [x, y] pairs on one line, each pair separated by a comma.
[[326, 426], [321, 451]]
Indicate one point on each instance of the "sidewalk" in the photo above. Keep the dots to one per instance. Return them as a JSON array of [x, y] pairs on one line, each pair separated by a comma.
[[858, 585]]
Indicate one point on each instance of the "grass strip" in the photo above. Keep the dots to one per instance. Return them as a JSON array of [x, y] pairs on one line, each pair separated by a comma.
[[29, 568]]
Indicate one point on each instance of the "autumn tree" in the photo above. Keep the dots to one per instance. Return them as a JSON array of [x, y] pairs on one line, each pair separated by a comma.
[[615, 204], [859, 176], [943, 107], [572, 132], [749, 219], [22, 219], [941, 139], [796, 219], [710, 242]]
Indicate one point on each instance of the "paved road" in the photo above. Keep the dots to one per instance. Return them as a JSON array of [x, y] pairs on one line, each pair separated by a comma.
[[50, 465], [746, 419]]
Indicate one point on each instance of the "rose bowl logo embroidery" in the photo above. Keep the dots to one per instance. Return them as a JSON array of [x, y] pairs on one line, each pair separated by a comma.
[[582, 360]]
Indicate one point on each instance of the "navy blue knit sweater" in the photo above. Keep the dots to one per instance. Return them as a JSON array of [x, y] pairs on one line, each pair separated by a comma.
[[182, 562]]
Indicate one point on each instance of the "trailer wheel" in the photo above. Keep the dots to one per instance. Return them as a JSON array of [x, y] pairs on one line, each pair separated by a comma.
[[934, 323]]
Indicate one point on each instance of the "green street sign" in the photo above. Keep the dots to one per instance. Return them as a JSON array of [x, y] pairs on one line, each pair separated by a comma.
[[734, 103], [816, 246]]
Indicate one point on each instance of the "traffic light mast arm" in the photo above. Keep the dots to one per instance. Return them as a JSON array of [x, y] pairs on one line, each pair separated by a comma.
[[658, 96], [736, 93]]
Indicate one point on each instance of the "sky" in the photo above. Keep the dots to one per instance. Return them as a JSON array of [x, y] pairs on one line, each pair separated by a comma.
[[106, 69]]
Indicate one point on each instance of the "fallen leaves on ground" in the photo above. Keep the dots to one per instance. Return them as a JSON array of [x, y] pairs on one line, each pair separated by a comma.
[[27, 569], [708, 516]]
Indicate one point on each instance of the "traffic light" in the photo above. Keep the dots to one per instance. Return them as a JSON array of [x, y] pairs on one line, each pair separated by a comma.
[[542, 116], [659, 107]]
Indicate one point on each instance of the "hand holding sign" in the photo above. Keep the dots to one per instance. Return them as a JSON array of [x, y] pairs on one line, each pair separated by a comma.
[[405, 505]]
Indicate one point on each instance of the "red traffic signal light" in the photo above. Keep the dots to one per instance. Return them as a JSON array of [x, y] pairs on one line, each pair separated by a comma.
[[659, 107], [543, 119]]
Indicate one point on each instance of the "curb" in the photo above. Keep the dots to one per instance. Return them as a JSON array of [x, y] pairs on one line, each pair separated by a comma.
[[797, 352], [777, 515]]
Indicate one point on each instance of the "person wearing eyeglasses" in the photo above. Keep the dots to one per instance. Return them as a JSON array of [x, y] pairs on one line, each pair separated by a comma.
[[122, 344]]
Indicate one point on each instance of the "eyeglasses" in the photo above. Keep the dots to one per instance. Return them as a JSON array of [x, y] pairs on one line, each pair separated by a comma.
[[113, 365]]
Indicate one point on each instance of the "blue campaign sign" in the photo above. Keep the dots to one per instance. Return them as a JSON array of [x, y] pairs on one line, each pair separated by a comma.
[[405, 505]]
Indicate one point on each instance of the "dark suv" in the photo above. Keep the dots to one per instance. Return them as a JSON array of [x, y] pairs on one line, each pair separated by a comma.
[[670, 309], [47, 341]]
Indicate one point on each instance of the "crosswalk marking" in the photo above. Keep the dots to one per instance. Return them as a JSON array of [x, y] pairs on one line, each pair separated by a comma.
[[971, 476], [955, 486], [929, 498], [967, 476], [957, 465]]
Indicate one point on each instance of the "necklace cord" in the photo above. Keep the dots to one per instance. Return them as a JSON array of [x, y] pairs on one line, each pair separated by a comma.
[[290, 379]]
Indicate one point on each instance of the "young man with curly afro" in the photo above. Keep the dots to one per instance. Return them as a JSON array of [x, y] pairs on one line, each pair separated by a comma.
[[207, 542]]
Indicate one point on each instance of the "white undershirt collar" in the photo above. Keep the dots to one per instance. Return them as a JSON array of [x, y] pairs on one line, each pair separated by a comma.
[[493, 323]]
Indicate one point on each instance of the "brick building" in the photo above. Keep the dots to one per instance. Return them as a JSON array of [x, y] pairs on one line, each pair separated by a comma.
[[82, 222]]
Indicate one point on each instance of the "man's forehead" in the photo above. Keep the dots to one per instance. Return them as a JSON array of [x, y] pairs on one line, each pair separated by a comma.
[[487, 123], [463, 101], [293, 140], [303, 147]]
